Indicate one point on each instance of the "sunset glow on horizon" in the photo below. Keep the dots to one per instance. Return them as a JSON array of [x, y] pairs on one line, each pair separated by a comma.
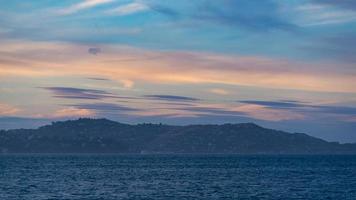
[[286, 65]]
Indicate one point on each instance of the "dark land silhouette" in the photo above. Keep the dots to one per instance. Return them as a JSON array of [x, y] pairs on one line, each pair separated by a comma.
[[106, 136]]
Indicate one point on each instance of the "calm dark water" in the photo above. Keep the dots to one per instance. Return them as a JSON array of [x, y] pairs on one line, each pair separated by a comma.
[[39, 177]]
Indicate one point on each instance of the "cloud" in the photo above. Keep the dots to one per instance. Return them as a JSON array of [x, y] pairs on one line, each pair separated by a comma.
[[212, 111], [171, 98], [340, 47], [177, 103], [219, 91], [49, 59], [245, 110], [275, 104], [128, 84], [73, 112], [252, 15], [269, 114], [94, 50], [105, 108], [79, 93], [174, 14], [346, 4], [85, 4], [98, 79], [337, 110], [129, 9], [8, 110], [304, 107], [318, 14]]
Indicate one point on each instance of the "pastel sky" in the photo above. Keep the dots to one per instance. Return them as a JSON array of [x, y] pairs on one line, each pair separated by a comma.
[[283, 64]]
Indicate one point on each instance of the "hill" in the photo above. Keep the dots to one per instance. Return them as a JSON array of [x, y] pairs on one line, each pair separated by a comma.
[[105, 136]]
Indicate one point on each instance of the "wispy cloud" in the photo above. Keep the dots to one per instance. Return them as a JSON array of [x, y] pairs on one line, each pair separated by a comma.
[[80, 93], [245, 110], [94, 50], [304, 107], [219, 91], [109, 108], [127, 84], [319, 14], [250, 15], [72, 112], [85, 4], [213, 110], [129, 9], [173, 67], [337, 47], [171, 98], [98, 79], [8, 110], [275, 104], [269, 114], [346, 4], [166, 11]]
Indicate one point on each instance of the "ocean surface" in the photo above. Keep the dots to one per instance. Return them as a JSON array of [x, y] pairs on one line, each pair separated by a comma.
[[37, 177]]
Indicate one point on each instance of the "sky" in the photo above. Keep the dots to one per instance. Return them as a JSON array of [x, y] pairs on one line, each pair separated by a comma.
[[283, 64]]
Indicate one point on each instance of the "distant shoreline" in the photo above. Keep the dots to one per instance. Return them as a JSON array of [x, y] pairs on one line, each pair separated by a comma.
[[102, 136]]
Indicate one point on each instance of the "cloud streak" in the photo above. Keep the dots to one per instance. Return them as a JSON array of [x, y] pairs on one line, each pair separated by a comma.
[[8, 110], [94, 50], [171, 98], [275, 104], [108, 108], [245, 110], [72, 112], [324, 13], [303, 107], [339, 47], [128, 9], [79, 93], [212, 111], [219, 91], [98, 79], [347, 4], [61, 59], [250, 15], [85, 4]]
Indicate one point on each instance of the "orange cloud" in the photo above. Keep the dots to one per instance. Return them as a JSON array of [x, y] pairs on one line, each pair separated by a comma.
[[127, 65], [219, 91], [269, 114], [6, 109], [128, 84], [73, 112], [252, 111]]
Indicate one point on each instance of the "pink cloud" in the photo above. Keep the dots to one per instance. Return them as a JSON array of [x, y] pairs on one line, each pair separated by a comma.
[[127, 65], [7, 110]]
